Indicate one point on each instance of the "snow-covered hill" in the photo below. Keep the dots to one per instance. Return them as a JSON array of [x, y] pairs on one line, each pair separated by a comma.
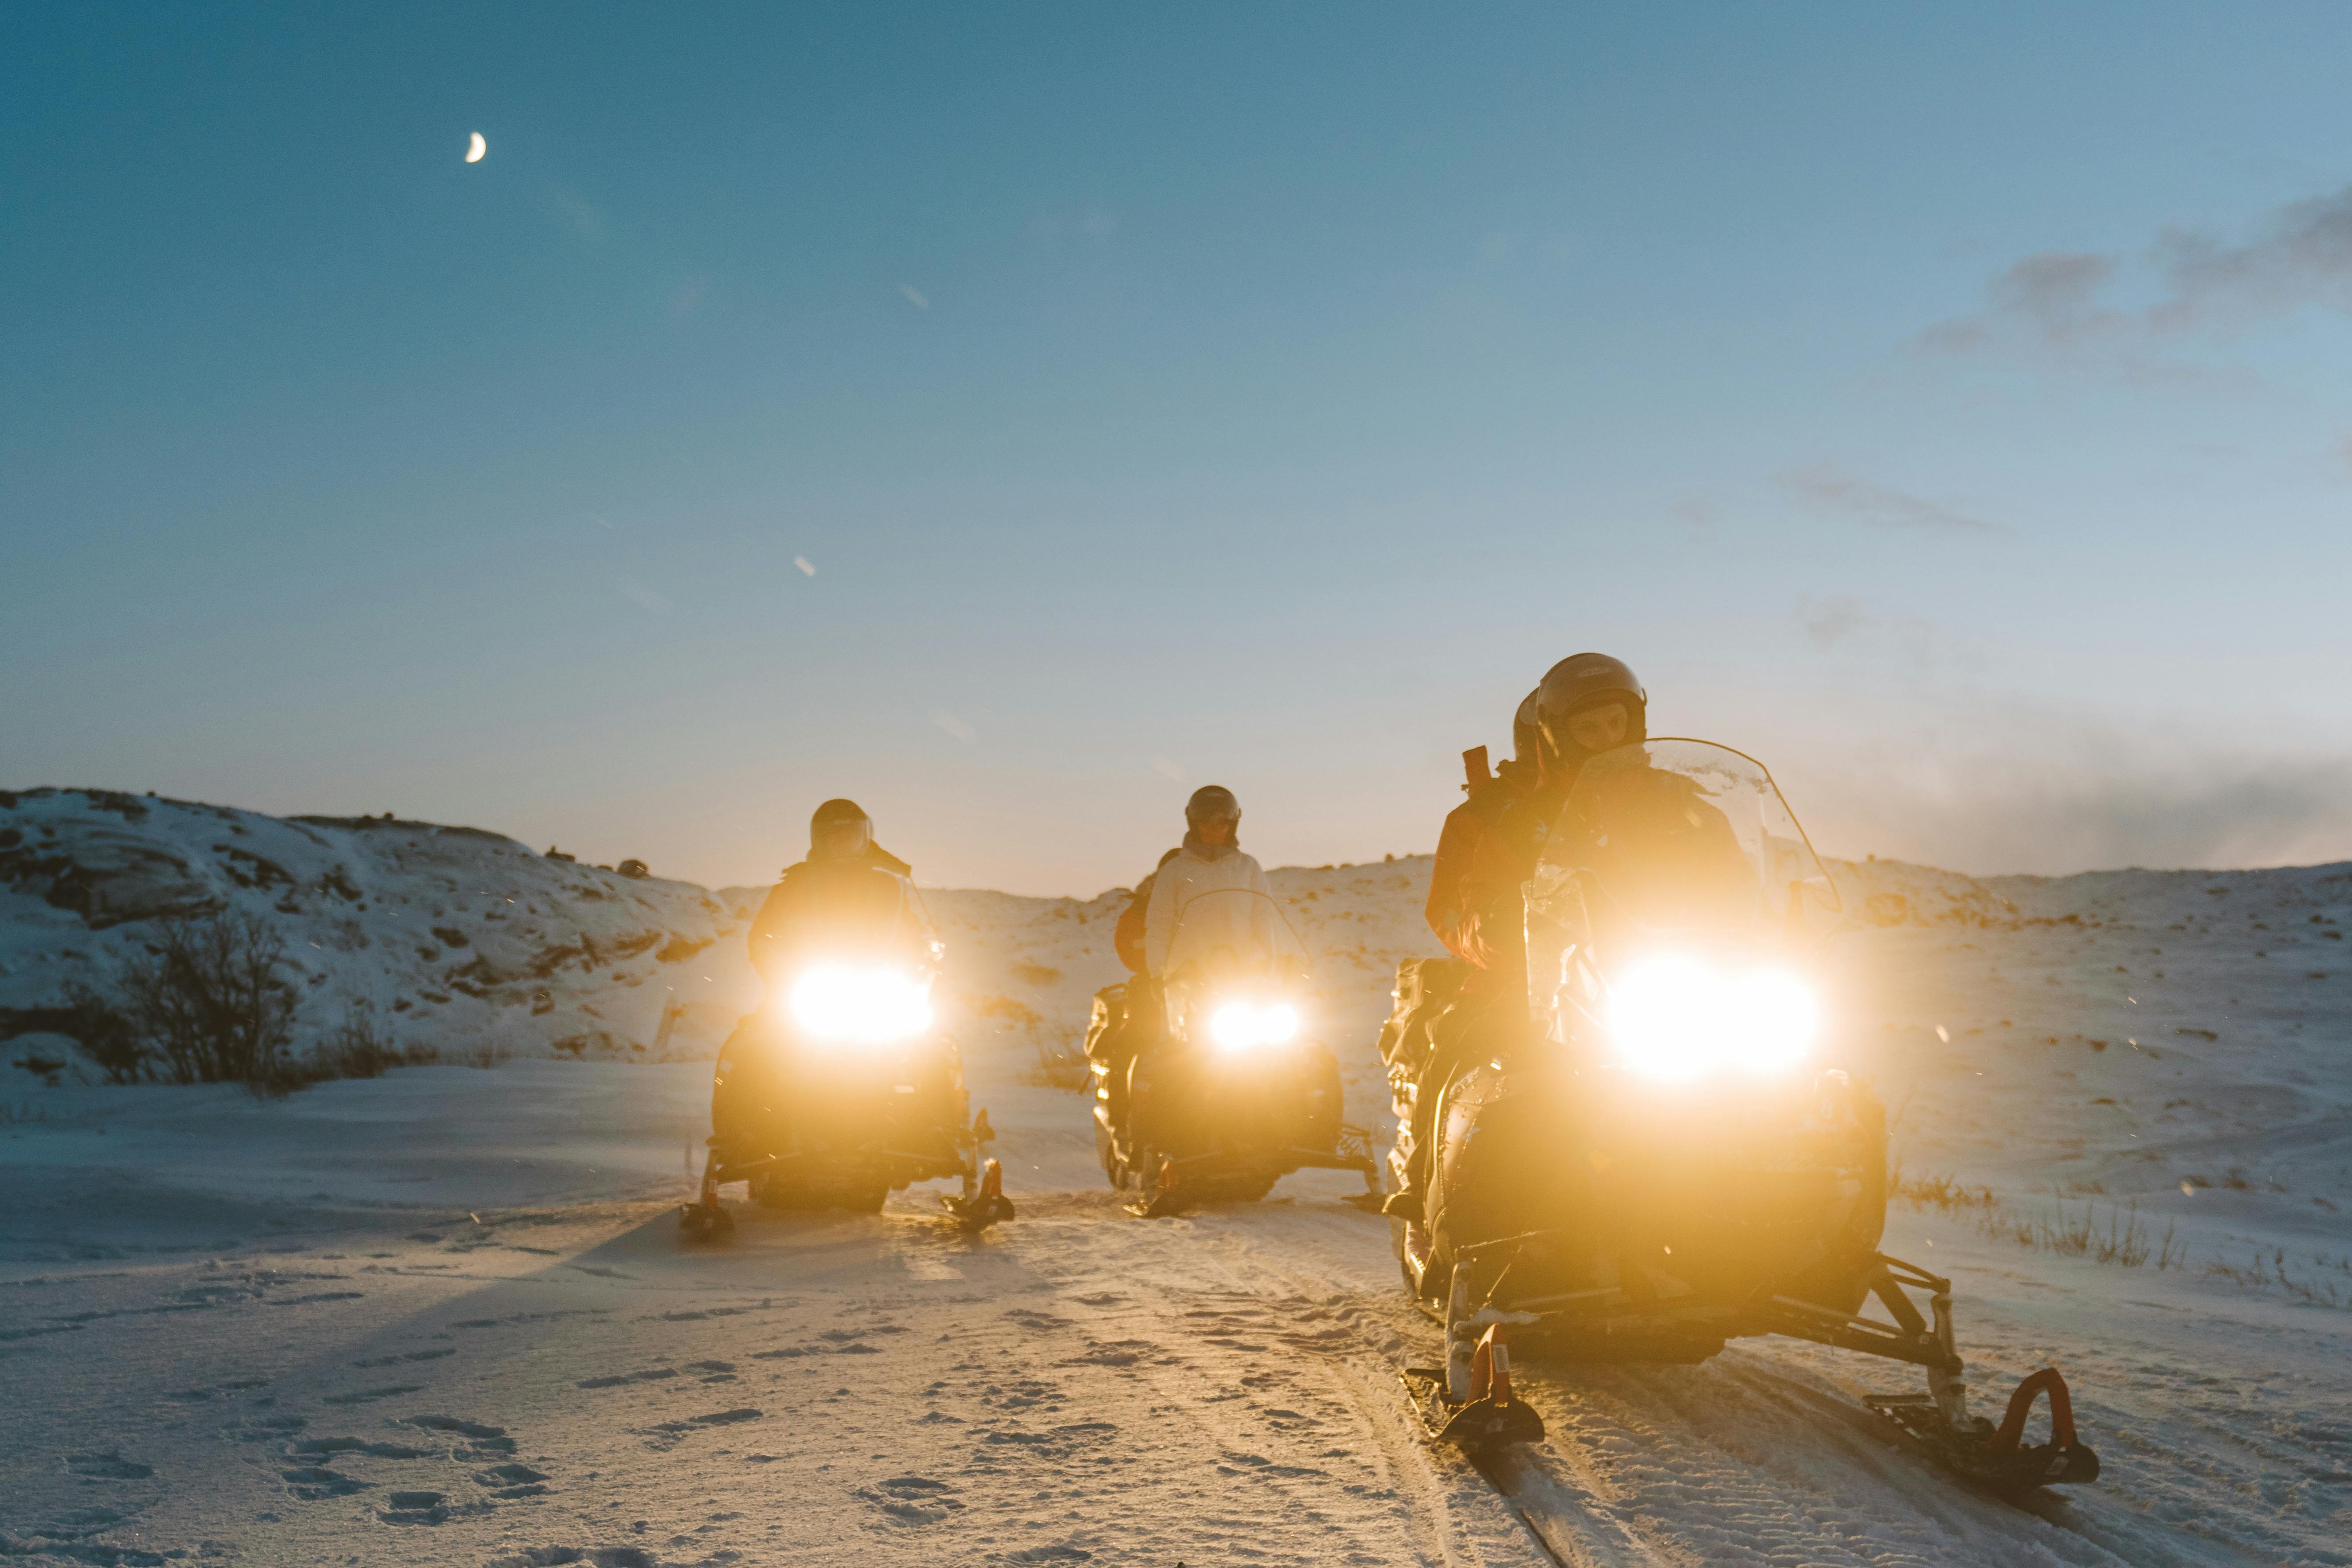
[[450, 936], [471, 943]]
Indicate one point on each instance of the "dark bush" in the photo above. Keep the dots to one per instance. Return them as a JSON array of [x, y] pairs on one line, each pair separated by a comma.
[[103, 1032], [204, 1004], [206, 1001], [355, 1049]]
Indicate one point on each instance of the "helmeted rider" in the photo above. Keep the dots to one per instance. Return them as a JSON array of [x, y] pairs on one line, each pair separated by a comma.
[[850, 895], [850, 899], [1585, 704], [1210, 859]]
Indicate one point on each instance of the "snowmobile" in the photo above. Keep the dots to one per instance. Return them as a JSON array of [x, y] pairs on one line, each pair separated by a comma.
[[1217, 1092], [1651, 1159], [839, 1091]]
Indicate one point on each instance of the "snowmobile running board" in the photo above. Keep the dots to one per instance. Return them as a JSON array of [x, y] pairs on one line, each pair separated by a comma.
[[1490, 1417]]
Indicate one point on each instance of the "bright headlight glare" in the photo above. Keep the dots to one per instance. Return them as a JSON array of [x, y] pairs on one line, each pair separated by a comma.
[[1246, 1025], [871, 1005], [1676, 1018]]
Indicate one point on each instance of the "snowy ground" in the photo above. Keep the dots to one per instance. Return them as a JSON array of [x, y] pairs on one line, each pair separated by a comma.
[[444, 1317]]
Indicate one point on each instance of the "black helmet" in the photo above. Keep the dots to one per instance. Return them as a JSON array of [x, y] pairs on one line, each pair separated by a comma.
[[838, 829], [1525, 735], [1580, 681], [1209, 803]]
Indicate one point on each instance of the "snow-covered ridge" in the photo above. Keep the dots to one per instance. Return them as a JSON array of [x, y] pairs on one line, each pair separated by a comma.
[[1896, 893], [452, 933], [465, 939]]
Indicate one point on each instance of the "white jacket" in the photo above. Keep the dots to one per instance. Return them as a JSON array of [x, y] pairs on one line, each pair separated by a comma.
[[1244, 924]]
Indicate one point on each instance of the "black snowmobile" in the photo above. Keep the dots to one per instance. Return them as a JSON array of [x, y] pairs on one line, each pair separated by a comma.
[[838, 1092], [1653, 1158], [1206, 1085]]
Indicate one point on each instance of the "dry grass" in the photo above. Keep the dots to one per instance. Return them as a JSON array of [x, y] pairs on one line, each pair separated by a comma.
[[1939, 1190], [1015, 1014], [1060, 1065], [2121, 1238], [2271, 1273]]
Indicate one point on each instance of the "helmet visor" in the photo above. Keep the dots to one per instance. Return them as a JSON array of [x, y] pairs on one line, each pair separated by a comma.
[[1595, 726]]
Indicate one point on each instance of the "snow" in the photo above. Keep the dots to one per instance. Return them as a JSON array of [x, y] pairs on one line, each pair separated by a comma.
[[439, 934], [445, 1316]]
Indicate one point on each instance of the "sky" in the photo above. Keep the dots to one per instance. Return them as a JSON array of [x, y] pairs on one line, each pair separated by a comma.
[[1016, 418]]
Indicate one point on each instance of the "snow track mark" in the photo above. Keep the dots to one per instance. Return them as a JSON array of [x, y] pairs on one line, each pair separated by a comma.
[[1577, 1527]]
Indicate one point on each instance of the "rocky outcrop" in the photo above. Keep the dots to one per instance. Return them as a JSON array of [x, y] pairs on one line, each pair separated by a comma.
[[452, 934]]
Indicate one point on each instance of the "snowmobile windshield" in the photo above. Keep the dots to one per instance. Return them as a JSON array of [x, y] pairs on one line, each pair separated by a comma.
[[1235, 936], [1672, 892], [1688, 835], [1235, 970]]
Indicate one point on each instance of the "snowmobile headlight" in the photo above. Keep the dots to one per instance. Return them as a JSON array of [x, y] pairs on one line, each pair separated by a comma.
[[1676, 1018], [871, 1005], [1246, 1025]]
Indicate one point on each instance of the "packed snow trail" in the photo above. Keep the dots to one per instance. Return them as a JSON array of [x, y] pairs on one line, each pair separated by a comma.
[[339, 1379], [482, 1386]]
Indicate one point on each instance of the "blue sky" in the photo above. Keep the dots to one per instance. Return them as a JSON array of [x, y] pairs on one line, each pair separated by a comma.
[[1950, 407]]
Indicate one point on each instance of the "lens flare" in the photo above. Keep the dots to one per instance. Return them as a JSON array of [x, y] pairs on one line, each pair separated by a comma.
[[1247, 1026], [868, 1005], [1676, 1018]]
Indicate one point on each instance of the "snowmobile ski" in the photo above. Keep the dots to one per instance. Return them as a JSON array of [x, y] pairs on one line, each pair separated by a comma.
[[1166, 1196], [706, 1218], [1997, 1456], [1489, 1417], [977, 1210]]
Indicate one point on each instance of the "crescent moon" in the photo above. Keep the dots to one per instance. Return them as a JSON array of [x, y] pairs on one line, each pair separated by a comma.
[[478, 147]]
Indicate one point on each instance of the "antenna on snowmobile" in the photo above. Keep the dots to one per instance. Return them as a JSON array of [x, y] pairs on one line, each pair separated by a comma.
[[1473, 769]]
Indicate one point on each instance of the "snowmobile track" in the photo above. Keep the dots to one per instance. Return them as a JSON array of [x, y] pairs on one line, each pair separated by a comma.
[[1574, 1524]]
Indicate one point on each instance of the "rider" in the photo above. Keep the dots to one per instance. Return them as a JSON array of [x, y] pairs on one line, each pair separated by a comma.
[[1585, 704], [1121, 1022], [1209, 861], [850, 893], [1126, 1017], [851, 897], [1126, 936]]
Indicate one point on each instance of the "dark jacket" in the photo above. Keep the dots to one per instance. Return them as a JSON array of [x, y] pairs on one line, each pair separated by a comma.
[[864, 907], [1487, 850]]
